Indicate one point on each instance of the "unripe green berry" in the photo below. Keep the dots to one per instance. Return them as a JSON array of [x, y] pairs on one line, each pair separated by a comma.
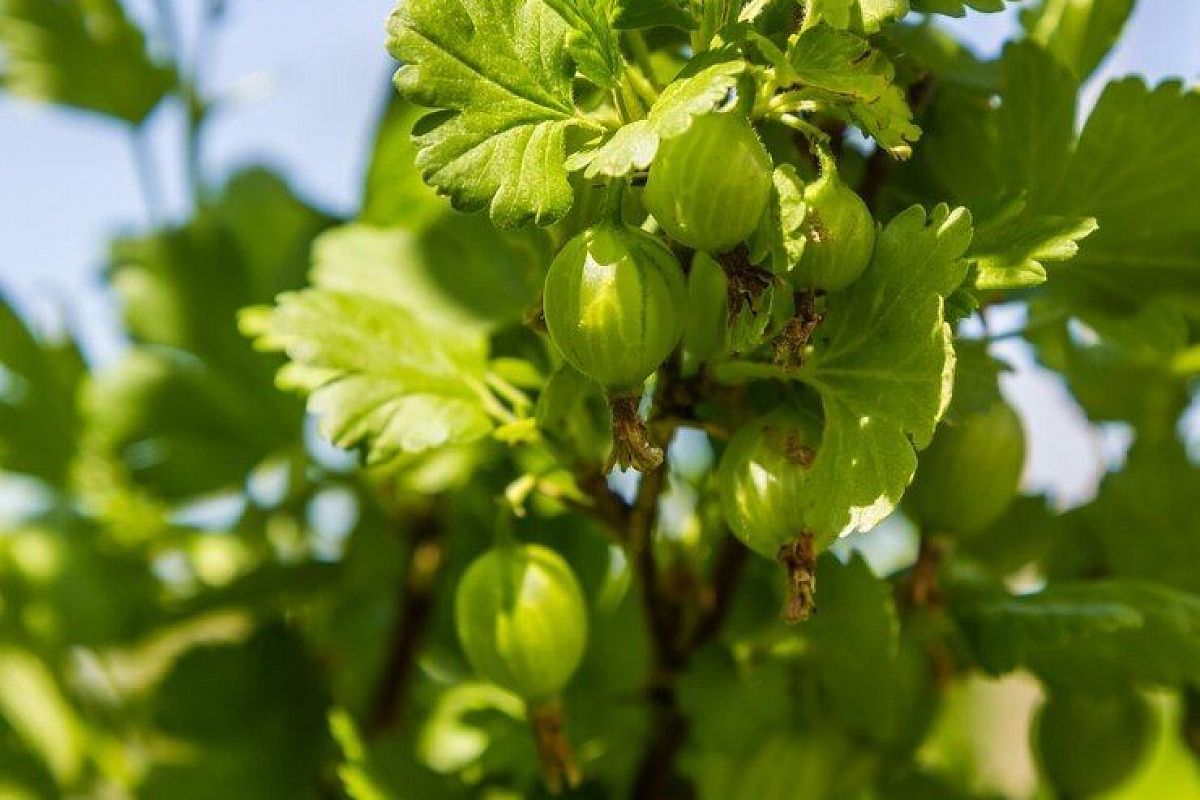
[[522, 620], [970, 473], [763, 477], [706, 334], [842, 237], [709, 186], [1088, 744], [615, 305]]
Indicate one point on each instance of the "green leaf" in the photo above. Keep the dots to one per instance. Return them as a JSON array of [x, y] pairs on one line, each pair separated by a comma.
[[978, 153], [957, 8], [856, 81], [877, 13], [1023, 535], [395, 194], [1135, 170], [247, 718], [1145, 515], [1124, 369], [593, 41], [1131, 169], [976, 379], [501, 74], [921, 783], [1006, 163], [33, 704], [731, 706], [458, 272], [926, 48], [832, 12], [1004, 630], [1080, 33], [374, 373], [633, 14], [182, 287], [865, 16], [81, 53], [379, 772], [1035, 121], [855, 639], [39, 383], [475, 726], [1011, 249], [181, 291], [1098, 634], [884, 367], [86, 593], [781, 237], [635, 146], [960, 159], [181, 426]]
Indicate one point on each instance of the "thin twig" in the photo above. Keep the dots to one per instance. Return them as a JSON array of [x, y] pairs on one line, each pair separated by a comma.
[[414, 607], [920, 593], [727, 571], [672, 644], [920, 590], [607, 506]]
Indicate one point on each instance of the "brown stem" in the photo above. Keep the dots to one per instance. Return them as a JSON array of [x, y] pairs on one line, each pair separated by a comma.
[[607, 506], [656, 771], [727, 572], [920, 592], [559, 769], [799, 559], [657, 776], [414, 608], [661, 617], [798, 332]]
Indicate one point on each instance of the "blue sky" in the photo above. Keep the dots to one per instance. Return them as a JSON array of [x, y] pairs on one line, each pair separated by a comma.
[[306, 79]]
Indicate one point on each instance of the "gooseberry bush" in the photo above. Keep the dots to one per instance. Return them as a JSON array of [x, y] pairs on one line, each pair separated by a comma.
[[658, 447]]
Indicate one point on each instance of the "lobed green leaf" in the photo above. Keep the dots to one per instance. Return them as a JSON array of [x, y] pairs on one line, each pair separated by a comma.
[[854, 80], [500, 73], [86, 54], [884, 368], [634, 146]]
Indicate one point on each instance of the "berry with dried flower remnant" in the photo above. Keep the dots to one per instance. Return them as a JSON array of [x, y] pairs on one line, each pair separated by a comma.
[[764, 481], [615, 304], [841, 234]]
